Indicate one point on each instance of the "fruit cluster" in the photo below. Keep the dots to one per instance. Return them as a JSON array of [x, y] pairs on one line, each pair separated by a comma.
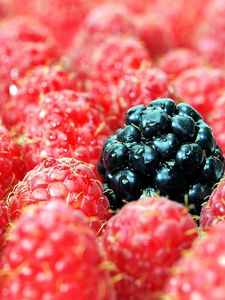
[[112, 147]]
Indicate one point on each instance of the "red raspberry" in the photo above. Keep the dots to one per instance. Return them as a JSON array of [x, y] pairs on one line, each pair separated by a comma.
[[155, 34], [17, 58], [4, 221], [106, 20], [115, 57], [143, 241], [16, 29], [211, 48], [65, 179], [12, 167], [65, 124], [214, 22], [200, 87], [200, 273], [178, 60], [52, 254], [25, 93], [181, 18], [217, 122], [214, 210], [210, 37], [60, 16], [136, 87]]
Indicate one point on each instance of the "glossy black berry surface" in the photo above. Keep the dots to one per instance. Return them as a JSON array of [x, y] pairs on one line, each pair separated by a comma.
[[166, 149]]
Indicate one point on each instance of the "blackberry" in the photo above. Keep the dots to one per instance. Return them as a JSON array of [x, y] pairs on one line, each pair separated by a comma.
[[164, 149]]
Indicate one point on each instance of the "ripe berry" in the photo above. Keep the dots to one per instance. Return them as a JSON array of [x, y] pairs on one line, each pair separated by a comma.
[[200, 87], [12, 168], [17, 58], [65, 179], [15, 29], [164, 147], [214, 22], [178, 60], [116, 56], [143, 241], [180, 17], [60, 17], [217, 122], [25, 93], [23, 47], [106, 20], [65, 123], [200, 273], [52, 254], [135, 87], [211, 48], [154, 33], [214, 209]]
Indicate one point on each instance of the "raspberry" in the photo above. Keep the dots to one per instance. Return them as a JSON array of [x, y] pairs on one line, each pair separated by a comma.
[[200, 87], [180, 24], [214, 22], [211, 48], [17, 58], [217, 122], [15, 29], [178, 60], [65, 179], [52, 254], [155, 34], [210, 37], [65, 123], [200, 273], [214, 210], [135, 87], [106, 20], [143, 241], [165, 148], [26, 91], [140, 86], [60, 17], [115, 57], [4, 221], [12, 167]]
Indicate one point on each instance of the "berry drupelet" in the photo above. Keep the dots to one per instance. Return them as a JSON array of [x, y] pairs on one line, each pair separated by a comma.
[[163, 148]]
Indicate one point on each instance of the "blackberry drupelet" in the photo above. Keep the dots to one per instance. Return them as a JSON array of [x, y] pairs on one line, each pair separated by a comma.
[[164, 149]]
